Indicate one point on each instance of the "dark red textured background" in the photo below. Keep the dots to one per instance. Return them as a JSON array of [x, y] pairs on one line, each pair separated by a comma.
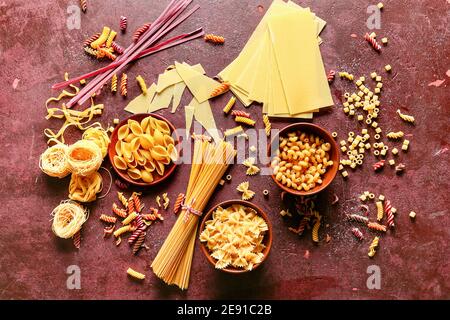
[[37, 48]]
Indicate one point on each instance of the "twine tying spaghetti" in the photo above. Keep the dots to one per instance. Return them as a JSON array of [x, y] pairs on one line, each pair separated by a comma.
[[189, 209]]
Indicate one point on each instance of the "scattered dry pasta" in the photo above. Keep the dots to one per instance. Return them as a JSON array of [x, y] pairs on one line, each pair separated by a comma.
[[229, 105], [395, 135], [144, 149], [234, 131], [252, 169], [214, 39], [142, 84], [135, 274], [245, 120], [221, 89], [373, 246], [267, 124], [405, 117], [235, 237], [247, 194]]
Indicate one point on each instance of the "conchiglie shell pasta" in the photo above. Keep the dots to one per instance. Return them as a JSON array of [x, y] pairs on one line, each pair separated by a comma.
[[162, 126], [160, 168], [118, 148], [130, 137], [158, 138], [120, 163], [150, 166], [134, 173], [146, 154], [144, 148], [123, 132], [168, 140], [173, 152], [159, 153], [135, 127], [145, 123], [135, 144], [133, 163], [126, 150], [146, 176], [146, 141]]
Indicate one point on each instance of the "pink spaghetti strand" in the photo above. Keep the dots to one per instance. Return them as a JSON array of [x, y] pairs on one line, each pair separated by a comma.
[[159, 47]]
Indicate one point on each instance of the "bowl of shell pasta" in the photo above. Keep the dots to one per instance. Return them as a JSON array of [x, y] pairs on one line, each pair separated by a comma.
[[144, 149]]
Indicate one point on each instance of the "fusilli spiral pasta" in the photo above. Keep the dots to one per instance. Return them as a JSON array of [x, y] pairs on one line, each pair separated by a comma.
[[376, 226], [108, 219], [245, 120], [405, 117], [117, 47], [240, 113], [114, 83], [357, 218], [139, 242], [120, 212], [140, 31], [358, 234], [233, 131], [124, 84], [267, 124], [88, 41], [77, 239], [380, 210], [395, 135], [83, 5], [373, 42], [214, 39], [373, 246], [315, 230], [229, 105], [224, 87], [178, 202], [389, 214], [122, 230], [123, 23]]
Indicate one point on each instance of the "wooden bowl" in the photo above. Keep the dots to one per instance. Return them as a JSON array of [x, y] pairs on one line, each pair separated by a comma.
[[169, 169], [267, 237], [330, 174]]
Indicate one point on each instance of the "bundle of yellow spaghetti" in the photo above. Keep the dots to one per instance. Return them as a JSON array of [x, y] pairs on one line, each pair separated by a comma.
[[174, 259], [99, 136], [53, 161], [68, 218], [84, 157]]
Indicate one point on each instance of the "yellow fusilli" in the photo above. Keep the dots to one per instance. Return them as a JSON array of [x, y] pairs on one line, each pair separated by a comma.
[[405, 117]]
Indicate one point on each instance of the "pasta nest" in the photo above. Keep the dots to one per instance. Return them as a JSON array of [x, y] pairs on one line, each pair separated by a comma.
[[99, 136], [84, 157], [53, 161], [68, 217], [85, 188]]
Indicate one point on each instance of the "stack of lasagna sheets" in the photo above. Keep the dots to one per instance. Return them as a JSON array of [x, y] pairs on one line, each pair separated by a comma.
[[281, 65]]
